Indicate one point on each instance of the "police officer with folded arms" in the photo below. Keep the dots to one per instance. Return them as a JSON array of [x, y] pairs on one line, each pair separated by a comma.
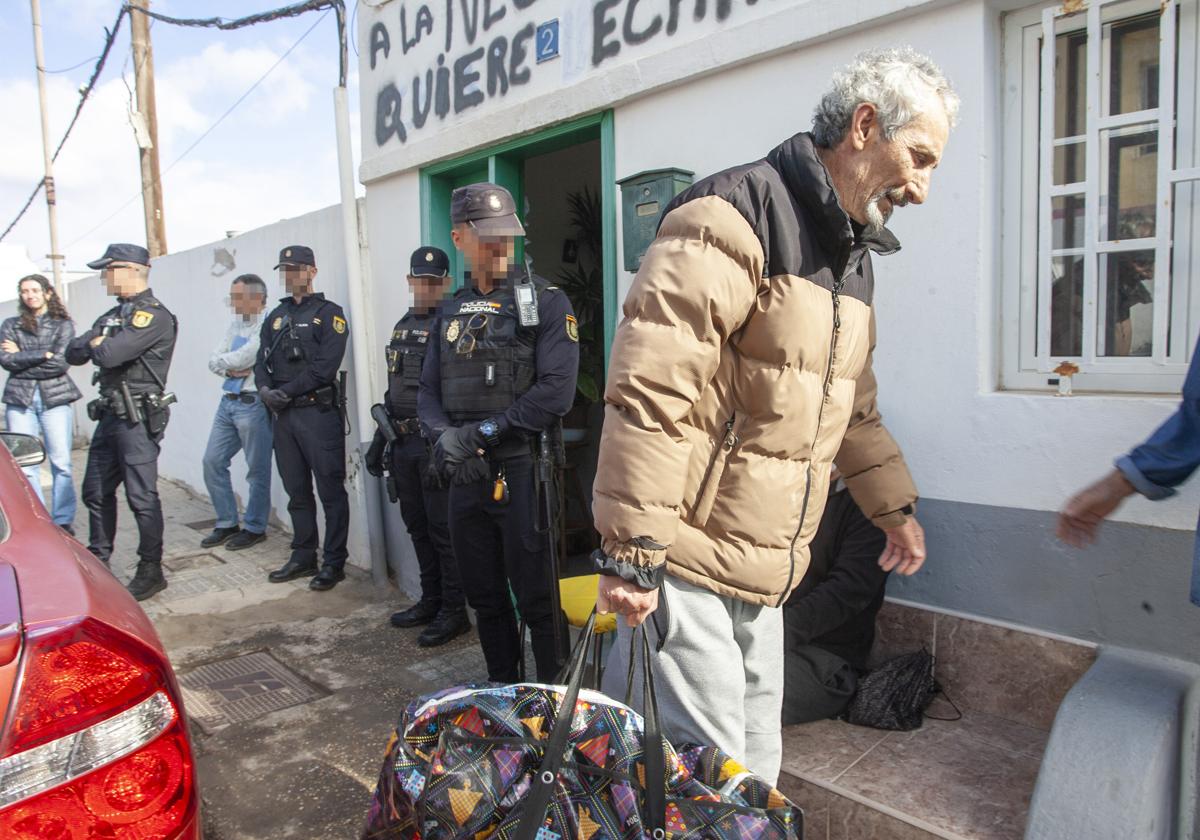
[[131, 347], [501, 371], [404, 453], [301, 347]]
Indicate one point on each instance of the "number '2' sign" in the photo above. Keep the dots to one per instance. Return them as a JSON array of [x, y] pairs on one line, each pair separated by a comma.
[[547, 40]]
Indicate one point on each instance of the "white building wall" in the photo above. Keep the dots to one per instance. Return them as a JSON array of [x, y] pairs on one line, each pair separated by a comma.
[[936, 300], [992, 466], [194, 285]]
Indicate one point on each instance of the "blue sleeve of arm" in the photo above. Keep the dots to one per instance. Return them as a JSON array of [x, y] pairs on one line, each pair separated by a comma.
[[1170, 455], [557, 359], [429, 396]]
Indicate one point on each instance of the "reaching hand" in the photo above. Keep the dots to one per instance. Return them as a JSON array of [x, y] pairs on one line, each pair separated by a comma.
[[628, 599], [905, 549], [1080, 518], [9, 346], [95, 342]]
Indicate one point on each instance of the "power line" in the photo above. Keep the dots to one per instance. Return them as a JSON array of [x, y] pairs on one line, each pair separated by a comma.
[[293, 10], [207, 131], [73, 66], [109, 37], [220, 23]]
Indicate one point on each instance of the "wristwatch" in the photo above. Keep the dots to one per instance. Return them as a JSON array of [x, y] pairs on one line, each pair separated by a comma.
[[490, 430]]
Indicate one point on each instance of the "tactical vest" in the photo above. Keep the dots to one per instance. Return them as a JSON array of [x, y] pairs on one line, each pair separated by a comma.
[[405, 356], [487, 357], [288, 356], [140, 373]]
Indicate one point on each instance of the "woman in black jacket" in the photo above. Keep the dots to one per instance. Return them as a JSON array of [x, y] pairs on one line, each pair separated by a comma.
[[39, 393]]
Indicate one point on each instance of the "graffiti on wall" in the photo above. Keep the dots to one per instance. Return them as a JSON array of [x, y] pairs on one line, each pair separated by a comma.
[[437, 58]]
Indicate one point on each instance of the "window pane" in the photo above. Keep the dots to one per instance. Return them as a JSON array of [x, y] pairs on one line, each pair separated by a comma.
[[1066, 306], [1069, 163], [1067, 216], [1070, 84], [1133, 79], [1128, 303], [1131, 163]]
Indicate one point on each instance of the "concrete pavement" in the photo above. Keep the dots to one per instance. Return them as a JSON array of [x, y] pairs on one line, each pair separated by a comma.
[[292, 694]]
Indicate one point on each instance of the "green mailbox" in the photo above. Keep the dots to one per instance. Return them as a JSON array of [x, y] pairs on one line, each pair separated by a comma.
[[643, 198]]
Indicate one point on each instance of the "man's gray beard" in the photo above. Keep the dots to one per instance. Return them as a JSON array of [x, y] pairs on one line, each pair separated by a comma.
[[875, 218]]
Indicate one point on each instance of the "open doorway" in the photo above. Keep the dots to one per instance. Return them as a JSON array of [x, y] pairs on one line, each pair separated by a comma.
[[563, 182]]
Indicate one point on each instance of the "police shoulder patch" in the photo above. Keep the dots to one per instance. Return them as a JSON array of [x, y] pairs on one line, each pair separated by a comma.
[[277, 323], [142, 318], [339, 324], [572, 328]]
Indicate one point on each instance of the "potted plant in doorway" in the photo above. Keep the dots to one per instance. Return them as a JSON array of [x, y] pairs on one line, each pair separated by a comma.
[[584, 284]]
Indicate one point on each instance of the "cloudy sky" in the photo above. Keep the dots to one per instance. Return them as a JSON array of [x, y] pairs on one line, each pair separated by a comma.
[[273, 157]]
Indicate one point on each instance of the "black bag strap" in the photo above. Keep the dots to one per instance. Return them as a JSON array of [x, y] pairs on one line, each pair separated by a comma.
[[537, 801], [542, 787], [653, 747]]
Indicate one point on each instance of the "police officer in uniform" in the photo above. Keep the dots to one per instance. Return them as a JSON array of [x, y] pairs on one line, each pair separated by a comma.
[[131, 347], [421, 491], [501, 371], [301, 347]]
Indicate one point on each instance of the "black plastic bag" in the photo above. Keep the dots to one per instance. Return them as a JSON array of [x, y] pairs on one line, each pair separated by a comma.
[[895, 695]]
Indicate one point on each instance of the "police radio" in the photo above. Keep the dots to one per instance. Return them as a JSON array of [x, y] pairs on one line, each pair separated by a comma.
[[527, 310]]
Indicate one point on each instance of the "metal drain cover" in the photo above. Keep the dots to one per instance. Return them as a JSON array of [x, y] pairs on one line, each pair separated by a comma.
[[243, 688], [204, 560]]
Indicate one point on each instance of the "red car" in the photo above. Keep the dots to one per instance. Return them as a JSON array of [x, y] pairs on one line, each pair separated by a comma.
[[95, 740]]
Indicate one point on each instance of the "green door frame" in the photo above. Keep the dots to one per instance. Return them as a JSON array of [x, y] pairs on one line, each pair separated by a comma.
[[501, 164]]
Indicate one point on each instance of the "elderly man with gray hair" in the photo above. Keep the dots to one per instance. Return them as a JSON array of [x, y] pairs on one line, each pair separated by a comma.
[[740, 372]]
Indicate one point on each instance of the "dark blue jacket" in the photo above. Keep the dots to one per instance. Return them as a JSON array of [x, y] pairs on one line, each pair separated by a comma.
[[1170, 455]]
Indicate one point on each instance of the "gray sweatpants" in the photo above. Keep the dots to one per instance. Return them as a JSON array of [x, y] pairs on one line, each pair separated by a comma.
[[718, 678]]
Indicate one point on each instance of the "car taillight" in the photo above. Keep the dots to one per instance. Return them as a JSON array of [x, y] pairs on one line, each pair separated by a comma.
[[96, 746]]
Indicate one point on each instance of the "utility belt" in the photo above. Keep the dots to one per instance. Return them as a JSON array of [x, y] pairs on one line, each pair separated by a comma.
[[326, 396], [150, 407]]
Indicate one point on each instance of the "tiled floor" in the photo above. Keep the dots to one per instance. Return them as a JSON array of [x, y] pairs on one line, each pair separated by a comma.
[[971, 778]]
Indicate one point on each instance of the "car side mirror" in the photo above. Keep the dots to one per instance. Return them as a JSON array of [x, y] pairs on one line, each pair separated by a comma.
[[26, 450]]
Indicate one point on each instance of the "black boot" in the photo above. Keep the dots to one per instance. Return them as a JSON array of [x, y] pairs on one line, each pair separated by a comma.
[[448, 625], [296, 567], [148, 581], [422, 612], [327, 578], [218, 536]]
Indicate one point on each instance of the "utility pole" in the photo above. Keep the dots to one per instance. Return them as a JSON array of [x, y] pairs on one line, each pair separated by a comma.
[[147, 116], [51, 202]]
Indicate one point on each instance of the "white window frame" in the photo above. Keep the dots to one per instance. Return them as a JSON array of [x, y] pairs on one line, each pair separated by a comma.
[[1028, 188]]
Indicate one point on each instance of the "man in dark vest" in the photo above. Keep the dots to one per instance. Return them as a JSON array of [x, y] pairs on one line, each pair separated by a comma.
[[499, 372], [131, 346], [412, 478], [301, 347]]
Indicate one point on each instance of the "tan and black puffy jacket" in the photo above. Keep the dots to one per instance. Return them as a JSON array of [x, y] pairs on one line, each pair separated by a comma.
[[741, 368]]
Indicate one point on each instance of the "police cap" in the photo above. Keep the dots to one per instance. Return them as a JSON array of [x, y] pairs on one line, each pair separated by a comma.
[[122, 252], [297, 255], [489, 209], [429, 262]]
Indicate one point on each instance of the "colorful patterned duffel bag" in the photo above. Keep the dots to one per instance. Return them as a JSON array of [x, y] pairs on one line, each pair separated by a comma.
[[493, 761]]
